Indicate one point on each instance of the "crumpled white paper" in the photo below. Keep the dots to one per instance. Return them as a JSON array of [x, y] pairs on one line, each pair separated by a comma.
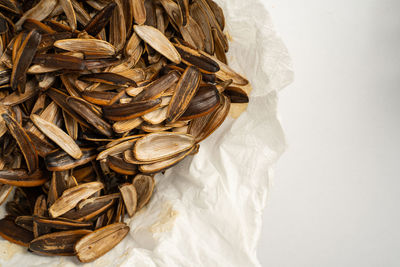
[[207, 211]]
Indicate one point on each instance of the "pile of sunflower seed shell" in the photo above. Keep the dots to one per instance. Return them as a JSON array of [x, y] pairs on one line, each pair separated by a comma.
[[96, 97]]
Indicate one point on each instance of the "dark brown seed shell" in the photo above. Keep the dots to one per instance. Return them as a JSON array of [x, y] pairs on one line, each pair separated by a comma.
[[14, 233], [61, 224], [108, 78], [121, 112], [118, 165], [98, 97], [194, 58], [40, 209], [59, 160], [59, 61], [61, 100], [41, 145], [49, 39], [24, 58], [90, 211], [82, 108], [25, 222], [202, 127], [57, 244], [183, 94], [32, 24], [236, 95], [156, 88], [20, 177], [205, 101], [23, 141], [100, 20]]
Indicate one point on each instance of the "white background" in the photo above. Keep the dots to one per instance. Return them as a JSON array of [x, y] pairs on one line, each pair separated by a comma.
[[335, 199]]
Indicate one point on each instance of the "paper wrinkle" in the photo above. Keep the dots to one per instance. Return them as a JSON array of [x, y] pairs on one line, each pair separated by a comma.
[[207, 211]]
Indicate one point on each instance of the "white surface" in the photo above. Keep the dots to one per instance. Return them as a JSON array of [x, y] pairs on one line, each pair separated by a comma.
[[335, 199]]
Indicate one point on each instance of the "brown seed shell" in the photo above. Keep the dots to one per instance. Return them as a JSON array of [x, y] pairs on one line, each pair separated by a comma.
[[69, 12], [57, 244], [94, 208], [202, 127], [59, 160], [5, 191], [108, 78], [165, 164], [87, 46], [127, 125], [162, 145], [60, 98], [155, 89], [23, 59], [72, 196], [39, 12], [23, 141], [200, 17], [58, 136], [100, 20], [206, 100], [120, 166], [25, 222], [20, 177], [96, 244], [183, 94], [80, 107], [196, 58], [14, 233], [129, 195], [144, 185], [61, 223], [158, 41], [40, 209], [236, 95], [121, 112], [59, 61]]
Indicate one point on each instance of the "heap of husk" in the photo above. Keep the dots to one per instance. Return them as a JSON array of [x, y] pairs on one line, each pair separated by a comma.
[[97, 97]]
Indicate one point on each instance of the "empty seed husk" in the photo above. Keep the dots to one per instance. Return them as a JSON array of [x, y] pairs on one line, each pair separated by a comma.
[[72, 196], [58, 243], [96, 244]]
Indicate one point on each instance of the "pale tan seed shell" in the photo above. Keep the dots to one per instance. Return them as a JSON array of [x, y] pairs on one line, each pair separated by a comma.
[[119, 148], [144, 185], [69, 12], [128, 125], [157, 116], [129, 195], [39, 12], [184, 129], [86, 46], [39, 69], [139, 11], [96, 244], [158, 41], [162, 165], [17, 98], [154, 128], [72, 196], [58, 136], [162, 145]]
